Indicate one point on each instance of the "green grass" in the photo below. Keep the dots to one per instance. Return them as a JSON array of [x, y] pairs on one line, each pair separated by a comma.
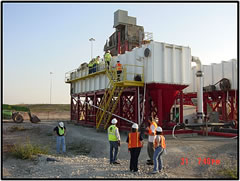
[[228, 173], [27, 151], [47, 107]]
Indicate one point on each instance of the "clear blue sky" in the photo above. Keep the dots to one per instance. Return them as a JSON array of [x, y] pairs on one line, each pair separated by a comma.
[[39, 38]]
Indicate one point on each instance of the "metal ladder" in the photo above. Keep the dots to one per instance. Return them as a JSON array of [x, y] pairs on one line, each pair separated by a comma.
[[109, 101]]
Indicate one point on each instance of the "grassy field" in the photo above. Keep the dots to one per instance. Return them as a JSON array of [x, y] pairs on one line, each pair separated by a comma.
[[47, 107]]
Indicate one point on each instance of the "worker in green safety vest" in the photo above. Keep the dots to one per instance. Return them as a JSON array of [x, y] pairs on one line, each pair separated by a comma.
[[96, 64], [107, 58], [114, 140], [60, 132], [90, 66]]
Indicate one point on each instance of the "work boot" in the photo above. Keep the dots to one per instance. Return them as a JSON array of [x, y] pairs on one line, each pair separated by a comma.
[[116, 163]]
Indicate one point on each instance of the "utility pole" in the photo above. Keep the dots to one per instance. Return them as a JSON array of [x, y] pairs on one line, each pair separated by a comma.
[[91, 40], [51, 87]]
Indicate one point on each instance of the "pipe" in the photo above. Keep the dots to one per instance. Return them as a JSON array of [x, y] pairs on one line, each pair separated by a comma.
[[199, 76], [109, 112]]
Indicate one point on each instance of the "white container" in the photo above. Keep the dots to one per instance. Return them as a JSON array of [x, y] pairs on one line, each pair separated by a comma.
[[167, 64], [214, 73]]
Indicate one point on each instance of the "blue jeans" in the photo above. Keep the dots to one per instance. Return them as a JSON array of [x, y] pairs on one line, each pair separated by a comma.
[[157, 158], [61, 140], [113, 144]]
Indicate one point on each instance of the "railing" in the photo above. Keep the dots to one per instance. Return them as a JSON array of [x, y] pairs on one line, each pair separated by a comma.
[[129, 72]]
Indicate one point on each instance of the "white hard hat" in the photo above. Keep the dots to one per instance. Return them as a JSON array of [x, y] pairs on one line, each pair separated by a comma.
[[108, 51], [159, 129], [156, 120], [114, 121], [135, 126], [61, 124]]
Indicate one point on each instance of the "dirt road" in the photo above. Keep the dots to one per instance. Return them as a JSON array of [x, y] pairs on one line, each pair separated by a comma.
[[88, 155]]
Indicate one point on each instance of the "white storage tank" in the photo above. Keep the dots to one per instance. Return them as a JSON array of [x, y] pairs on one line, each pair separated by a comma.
[[165, 64], [214, 73]]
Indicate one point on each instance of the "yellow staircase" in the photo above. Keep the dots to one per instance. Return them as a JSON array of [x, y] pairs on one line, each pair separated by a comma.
[[110, 100]]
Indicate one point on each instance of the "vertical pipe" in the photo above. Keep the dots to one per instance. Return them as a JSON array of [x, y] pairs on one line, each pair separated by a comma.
[[119, 43], [138, 106], [199, 75], [135, 97], [181, 107]]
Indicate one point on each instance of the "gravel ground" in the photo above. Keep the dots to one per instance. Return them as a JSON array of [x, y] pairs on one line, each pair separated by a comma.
[[88, 155]]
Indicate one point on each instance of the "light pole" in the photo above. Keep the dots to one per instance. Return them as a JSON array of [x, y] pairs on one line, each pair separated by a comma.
[[51, 86], [91, 40]]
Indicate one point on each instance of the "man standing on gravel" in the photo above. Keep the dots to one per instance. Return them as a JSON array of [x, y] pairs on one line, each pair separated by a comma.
[[114, 140], [60, 132], [151, 134]]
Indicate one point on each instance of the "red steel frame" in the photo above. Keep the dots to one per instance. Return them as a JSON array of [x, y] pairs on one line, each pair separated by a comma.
[[226, 103], [159, 100]]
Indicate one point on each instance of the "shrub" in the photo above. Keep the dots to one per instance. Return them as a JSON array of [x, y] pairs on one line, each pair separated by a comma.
[[17, 128], [228, 173], [27, 151]]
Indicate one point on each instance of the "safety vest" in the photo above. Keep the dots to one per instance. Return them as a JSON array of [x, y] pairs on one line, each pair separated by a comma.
[[60, 131], [155, 125], [119, 66], [107, 57], [162, 141], [97, 61], [133, 140], [90, 65], [112, 133]]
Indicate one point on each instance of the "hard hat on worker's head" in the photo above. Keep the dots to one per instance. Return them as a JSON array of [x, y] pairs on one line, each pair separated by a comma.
[[159, 129], [135, 126], [156, 120], [108, 51], [114, 121], [61, 124]]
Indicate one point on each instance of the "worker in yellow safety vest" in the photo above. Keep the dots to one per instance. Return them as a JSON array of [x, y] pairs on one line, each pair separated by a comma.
[[90, 66], [96, 63], [114, 140], [60, 132], [119, 70], [151, 134], [135, 143], [160, 146], [107, 58]]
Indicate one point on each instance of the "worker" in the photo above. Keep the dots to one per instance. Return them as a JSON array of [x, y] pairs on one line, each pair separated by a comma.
[[60, 132], [114, 140], [159, 145], [135, 143], [97, 61], [107, 58], [90, 66], [119, 70], [151, 134]]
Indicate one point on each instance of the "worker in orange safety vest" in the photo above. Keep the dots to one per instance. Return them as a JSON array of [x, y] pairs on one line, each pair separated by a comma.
[[135, 143], [119, 70], [151, 134], [159, 145]]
